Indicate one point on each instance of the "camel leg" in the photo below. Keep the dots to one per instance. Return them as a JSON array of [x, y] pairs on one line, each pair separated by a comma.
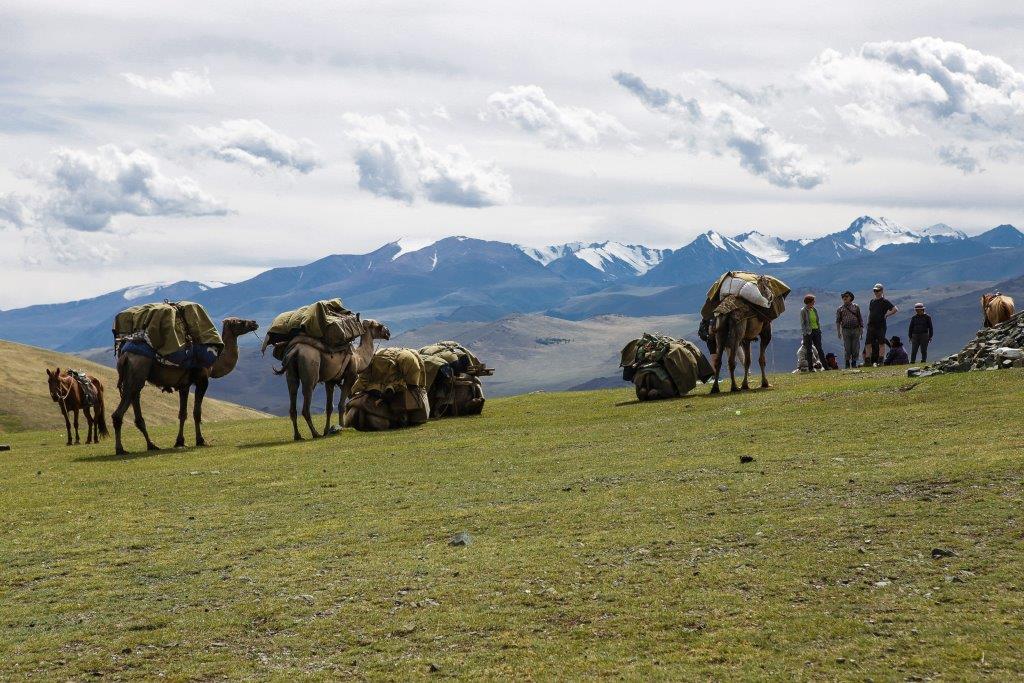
[[202, 384], [746, 365], [307, 398], [117, 417], [140, 423], [329, 388], [78, 440], [716, 363], [182, 415], [293, 390], [732, 368]]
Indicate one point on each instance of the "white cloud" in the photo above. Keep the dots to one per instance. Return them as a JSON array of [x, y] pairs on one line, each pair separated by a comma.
[[875, 120], [528, 108], [14, 210], [960, 158], [54, 245], [938, 79], [721, 128], [394, 162], [182, 84], [84, 191], [252, 143]]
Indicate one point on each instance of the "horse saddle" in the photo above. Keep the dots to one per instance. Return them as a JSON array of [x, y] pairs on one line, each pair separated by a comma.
[[89, 392]]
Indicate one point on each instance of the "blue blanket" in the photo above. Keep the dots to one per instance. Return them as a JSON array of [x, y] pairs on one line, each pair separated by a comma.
[[188, 357]]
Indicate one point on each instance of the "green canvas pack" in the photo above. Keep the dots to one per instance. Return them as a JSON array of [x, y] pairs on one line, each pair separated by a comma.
[[168, 326]]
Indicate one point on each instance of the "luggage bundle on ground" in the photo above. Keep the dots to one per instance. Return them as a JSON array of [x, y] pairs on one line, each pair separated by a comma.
[[663, 367], [760, 295], [327, 321], [390, 392], [453, 379], [174, 333]]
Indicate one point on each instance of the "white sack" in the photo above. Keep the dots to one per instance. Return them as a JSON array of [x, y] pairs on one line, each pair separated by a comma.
[[744, 290]]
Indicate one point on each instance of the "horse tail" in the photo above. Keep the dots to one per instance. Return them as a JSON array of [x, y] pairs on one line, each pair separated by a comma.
[[101, 411]]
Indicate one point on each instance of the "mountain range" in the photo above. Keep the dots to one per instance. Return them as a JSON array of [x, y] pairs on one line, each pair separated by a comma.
[[460, 279]]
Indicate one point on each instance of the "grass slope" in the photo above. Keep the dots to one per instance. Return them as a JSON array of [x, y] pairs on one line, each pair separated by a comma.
[[609, 538], [25, 401]]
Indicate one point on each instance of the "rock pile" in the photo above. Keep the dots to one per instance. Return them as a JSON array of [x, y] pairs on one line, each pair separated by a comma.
[[1000, 347]]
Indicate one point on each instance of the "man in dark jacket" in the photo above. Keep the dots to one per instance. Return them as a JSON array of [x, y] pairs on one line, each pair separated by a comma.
[[920, 333], [879, 311]]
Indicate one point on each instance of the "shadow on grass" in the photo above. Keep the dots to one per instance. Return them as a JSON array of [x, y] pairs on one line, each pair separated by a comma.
[[267, 444], [110, 457]]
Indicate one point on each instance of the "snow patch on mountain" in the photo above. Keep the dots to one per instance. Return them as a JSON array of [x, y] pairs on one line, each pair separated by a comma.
[[140, 291], [408, 245], [766, 247], [600, 255], [941, 232], [871, 233]]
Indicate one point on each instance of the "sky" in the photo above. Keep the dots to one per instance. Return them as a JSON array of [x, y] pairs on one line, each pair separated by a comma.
[[214, 140]]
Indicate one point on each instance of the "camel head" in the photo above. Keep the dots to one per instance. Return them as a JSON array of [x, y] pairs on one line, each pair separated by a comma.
[[53, 380], [238, 326], [376, 330]]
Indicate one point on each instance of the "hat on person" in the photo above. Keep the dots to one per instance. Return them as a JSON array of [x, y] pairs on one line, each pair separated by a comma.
[[919, 305], [895, 341], [849, 294], [878, 287]]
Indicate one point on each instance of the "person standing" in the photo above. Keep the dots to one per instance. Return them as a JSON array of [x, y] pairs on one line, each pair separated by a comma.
[[810, 325], [879, 311], [920, 333], [850, 325]]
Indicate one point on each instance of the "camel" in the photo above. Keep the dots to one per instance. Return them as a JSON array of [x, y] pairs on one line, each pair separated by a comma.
[[309, 362], [68, 394], [134, 370], [731, 331], [456, 396], [996, 308], [651, 387]]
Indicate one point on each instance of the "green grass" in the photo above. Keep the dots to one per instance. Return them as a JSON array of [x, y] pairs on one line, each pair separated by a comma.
[[609, 538]]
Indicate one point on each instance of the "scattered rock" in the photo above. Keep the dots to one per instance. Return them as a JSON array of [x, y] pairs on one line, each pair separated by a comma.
[[433, 668], [938, 553], [744, 459], [723, 488], [406, 630], [993, 348], [461, 539], [567, 488], [5, 447]]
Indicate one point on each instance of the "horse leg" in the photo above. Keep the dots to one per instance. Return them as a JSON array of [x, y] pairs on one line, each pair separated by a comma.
[[329, 388], [140, 422], [746, 365], [77, 438], [67, 421], [293, 390], [182, 414], [202, 384], [88, 425]]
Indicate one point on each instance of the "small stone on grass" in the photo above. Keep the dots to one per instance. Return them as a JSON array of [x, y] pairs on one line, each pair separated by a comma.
[[461, 539]]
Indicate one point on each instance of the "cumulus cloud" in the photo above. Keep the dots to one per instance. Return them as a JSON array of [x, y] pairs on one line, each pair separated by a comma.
[[394, 162], [760, 96], [721, 128], [182, 84], [959, 157], [14, 210], [938, 79], [252, 143], [84, 191], [874, 119], [529, 108], [54, 245]]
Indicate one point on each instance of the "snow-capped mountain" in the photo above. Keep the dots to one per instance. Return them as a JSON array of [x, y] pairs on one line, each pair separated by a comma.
[[708, 256], [768, 248], [148, 291], [866, 235], [613, 259], [940, 232]]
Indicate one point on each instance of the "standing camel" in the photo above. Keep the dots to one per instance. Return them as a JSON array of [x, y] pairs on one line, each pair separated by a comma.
[[309, 362], [732, 330], [68, 394], [997, 308], [134, 370]]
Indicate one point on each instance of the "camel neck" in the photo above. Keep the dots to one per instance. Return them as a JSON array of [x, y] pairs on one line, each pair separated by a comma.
[[228, 358]]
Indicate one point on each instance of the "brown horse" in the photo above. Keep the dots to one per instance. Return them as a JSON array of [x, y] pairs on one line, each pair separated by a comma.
[[996, 308], [733, 331], [67, 393]]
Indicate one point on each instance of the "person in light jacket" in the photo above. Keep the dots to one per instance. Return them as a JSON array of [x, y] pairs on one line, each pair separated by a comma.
[[810, 326]]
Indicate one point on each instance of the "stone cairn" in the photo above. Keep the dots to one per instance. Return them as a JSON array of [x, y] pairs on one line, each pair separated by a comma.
[[994, 348]]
